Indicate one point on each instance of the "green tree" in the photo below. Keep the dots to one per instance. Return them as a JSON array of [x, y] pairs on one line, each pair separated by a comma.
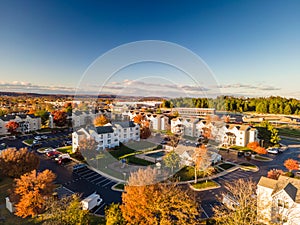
[[172, 160], [113, 215], [287, 110], [67, 210]]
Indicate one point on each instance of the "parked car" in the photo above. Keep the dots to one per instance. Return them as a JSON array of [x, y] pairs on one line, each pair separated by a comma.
[[62, 156], [240, 153], [53, 153], [78, 166], [38, 138], [44, 151], [273, 151], [45, 137], [64, 160], [91, 201]]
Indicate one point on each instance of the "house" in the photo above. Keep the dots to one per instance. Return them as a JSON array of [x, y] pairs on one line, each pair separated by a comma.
[[27, 122], [240, 135], [109, 135], [186, 155], [278, 201], [226, 134]]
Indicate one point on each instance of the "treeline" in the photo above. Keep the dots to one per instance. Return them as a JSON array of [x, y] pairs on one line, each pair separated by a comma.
[[273, 105]]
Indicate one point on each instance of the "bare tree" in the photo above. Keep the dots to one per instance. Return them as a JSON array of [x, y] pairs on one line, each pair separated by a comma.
[[242, 201]]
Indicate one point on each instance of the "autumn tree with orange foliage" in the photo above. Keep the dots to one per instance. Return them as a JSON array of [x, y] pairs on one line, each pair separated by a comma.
[[201, 161], [59, 118], [291, 164], [274, 174], [145, 131], [12, 127], [145, 201], [14, 163], [253, 145], [100, 120], [256, 148], [31, 192], [260, 150]]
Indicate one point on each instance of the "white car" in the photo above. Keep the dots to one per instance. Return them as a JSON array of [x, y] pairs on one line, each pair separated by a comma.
[[273, 151], [38, 138], [44, 151], [44, 137], [63, 156]]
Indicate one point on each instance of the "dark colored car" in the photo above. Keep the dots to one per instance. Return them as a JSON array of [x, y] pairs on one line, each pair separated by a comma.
[[240, 153], [78, 166], [63, 160]]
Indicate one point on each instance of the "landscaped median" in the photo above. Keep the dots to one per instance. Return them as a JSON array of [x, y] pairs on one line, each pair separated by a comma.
[[204, 185], [261, 158], [118, 187], [249, 167], [28, 142]]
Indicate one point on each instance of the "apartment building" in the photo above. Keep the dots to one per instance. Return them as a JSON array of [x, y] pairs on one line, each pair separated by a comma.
[[109, 135], [278, 201], [27, 122], [226, 134]]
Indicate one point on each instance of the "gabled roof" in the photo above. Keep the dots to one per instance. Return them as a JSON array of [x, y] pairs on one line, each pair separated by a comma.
[[290, 185], [125, 124], [104, 129], [267, 182]]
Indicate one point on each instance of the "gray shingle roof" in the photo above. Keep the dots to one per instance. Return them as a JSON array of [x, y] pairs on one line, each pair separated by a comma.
[[104, 129], [125, 124]]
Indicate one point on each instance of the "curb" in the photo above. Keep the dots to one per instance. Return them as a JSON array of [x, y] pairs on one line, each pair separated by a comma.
[[116, 189]]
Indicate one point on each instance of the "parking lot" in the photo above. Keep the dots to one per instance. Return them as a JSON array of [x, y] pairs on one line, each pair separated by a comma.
[[87, 181]]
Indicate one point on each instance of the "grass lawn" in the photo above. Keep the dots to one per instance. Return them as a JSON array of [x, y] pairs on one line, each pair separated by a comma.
[[140, 145], [137, 161], [120, 151], [119, 186], [187, 173], [204, 184], [29, 141], [66, 149], [226, 166], [240, 148], [289, 132]]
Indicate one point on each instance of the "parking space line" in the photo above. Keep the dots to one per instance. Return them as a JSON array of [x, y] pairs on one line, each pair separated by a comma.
[[204, 212], [88, 176], [101, 182], [93, 176], [89, 173], [103, 204], [86, 172], [98, 178], [107, 183]]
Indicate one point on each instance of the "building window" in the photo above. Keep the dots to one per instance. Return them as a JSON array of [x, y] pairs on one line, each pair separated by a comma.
[[280, 203]]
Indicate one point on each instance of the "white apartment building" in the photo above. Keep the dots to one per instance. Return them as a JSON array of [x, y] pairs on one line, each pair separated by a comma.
[[27, 123], [109, 135], [158, 122], [226, 134], [278, 201]]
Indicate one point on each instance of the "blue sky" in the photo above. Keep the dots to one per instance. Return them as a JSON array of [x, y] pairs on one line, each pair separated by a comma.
[[252, 47]]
